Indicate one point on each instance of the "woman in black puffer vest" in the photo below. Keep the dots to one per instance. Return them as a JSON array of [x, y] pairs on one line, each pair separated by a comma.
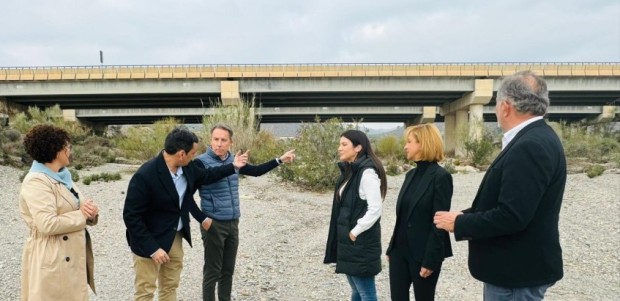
[[354, 239]]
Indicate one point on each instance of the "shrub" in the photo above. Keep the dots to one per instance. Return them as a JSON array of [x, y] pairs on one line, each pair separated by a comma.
[[104, 176], [392, 168], [594, 170], [478, 149], [23, 121], [241, 118], [10, 135], [449, 166], [266, 147], [75, 176], [143, 143], [598, 143], [316, 148], [93, 151], [390, 148]]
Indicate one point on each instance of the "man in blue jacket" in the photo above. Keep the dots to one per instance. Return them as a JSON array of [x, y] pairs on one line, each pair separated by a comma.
[[512, 225], [220, 202]]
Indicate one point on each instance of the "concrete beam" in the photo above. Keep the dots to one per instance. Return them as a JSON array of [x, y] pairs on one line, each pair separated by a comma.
[[230, 93], [89, 113], [482, 94]]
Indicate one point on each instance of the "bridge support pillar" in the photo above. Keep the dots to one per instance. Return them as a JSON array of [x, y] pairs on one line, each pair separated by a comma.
[[476, 122], [449, 134], [69, 115], [462, 131], [608, 114], [230, 93], [473, 102], [428, 115]]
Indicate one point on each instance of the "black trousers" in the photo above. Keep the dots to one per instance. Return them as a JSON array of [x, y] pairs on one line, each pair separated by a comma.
[[404, 271], [221, 243]]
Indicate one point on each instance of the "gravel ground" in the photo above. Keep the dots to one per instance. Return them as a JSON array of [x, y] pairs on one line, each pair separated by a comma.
[[283, 232]]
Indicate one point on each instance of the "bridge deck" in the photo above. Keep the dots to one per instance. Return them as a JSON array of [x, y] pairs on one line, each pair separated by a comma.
[[304, 70]]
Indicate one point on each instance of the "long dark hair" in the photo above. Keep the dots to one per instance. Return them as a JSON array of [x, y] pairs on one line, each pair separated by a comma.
[[359, 138]]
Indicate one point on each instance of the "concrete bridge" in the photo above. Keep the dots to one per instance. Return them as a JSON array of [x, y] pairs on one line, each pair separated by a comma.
[[457, 94]]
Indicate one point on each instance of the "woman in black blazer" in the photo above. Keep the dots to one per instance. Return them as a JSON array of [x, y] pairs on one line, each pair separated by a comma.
[[417, 247]]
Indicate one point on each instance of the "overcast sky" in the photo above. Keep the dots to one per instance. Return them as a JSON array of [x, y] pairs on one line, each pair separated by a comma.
[[138, 32]]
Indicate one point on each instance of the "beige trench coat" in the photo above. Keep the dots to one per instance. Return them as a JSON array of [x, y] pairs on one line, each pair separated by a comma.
[[57, 262]]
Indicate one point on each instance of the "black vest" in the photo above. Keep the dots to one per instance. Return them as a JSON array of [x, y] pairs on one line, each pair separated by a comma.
[[361, 258]]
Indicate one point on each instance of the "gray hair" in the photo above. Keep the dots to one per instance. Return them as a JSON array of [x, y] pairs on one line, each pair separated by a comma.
[[222, 126], [526, 91]]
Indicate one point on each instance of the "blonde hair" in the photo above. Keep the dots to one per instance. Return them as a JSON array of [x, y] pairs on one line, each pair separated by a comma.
[[429, 137]]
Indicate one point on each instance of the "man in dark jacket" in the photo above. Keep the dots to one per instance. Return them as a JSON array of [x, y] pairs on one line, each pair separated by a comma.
[[156, 212], [512, 226]]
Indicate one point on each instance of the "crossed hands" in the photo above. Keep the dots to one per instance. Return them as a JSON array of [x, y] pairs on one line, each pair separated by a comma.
[[89, 209]]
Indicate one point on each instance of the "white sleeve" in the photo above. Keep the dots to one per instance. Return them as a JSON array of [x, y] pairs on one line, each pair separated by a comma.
[[370, 190]]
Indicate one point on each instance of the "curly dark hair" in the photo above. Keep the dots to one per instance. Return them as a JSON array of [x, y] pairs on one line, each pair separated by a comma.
[[44, 141]]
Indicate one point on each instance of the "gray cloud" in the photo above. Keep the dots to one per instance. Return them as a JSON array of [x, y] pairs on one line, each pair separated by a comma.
[[71, 32]]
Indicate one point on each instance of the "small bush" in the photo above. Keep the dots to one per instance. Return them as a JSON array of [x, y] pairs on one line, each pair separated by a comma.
[[390, 148], [594, 170], [392, 169], [105, 177], [144, 143], [23, 121], [75, 176], [316, 148], [450, 167], [241, 118], [266, 147], [598, 143], [479, 150], [10, 135]]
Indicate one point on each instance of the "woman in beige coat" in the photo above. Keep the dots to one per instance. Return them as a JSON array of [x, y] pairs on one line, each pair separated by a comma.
[[57, 262]]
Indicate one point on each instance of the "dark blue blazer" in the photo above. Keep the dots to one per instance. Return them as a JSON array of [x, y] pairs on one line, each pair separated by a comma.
[[512, 225], [151, 212]]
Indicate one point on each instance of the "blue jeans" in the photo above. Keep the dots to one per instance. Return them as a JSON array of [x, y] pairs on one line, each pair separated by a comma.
[[498, 293], [363, 288]]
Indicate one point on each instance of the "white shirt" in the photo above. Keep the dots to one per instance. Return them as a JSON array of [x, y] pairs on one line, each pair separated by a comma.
[[370, 190], [508, 136]]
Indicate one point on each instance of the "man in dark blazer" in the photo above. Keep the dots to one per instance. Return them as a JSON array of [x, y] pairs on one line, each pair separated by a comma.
[[159, 198], [512, 225]]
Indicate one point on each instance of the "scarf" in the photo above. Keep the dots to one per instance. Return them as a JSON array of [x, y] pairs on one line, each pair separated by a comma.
[[63, 176]]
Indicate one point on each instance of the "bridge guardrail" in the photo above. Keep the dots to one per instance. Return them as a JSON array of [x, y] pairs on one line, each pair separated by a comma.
[[127, 72]]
